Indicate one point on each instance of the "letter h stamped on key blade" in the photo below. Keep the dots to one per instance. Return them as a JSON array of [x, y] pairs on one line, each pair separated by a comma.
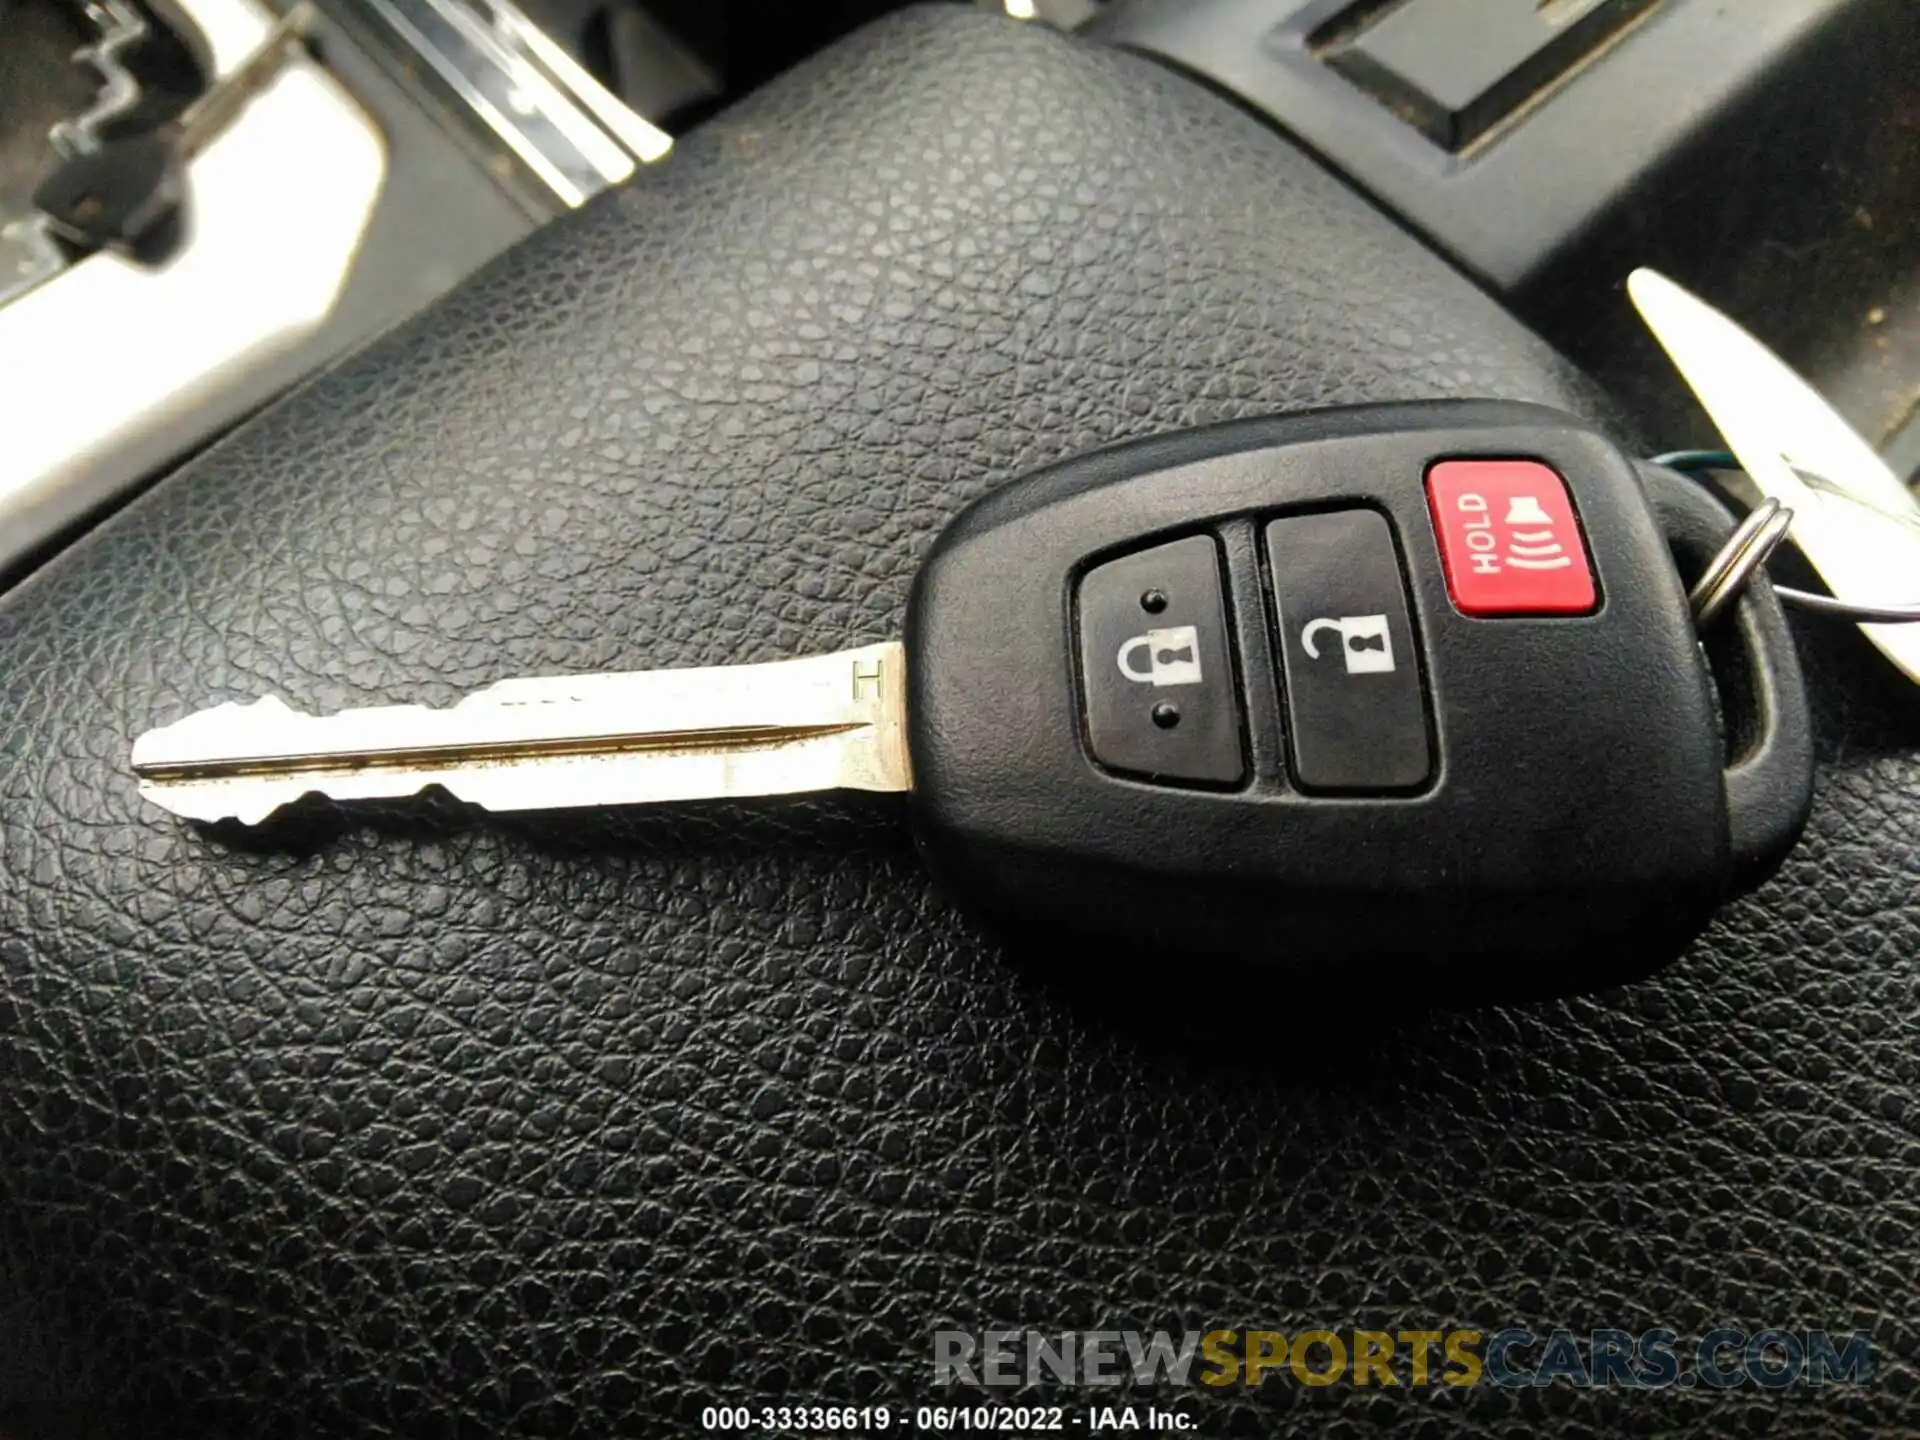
[[822, 723]]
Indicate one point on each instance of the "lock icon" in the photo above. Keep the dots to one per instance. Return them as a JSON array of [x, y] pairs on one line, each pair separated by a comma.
[[1364, 642], [1172, 657]]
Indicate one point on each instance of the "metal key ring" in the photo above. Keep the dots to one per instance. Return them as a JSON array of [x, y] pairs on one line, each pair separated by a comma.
[[1750, 547], [1747, 550]]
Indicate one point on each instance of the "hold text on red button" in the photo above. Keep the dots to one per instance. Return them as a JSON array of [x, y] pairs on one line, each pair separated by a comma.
[[1508, 539]]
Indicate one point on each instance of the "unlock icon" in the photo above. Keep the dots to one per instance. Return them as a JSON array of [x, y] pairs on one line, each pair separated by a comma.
[[1364, 642], [1170, 656]]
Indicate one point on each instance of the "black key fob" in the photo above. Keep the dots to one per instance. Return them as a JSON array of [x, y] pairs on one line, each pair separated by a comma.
[[1343, 695]]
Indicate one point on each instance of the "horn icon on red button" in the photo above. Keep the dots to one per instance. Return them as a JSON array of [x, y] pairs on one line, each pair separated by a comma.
[[1509, 540]]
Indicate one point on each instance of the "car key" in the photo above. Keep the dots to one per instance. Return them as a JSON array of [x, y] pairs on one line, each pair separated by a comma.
[[117, 194], [1336, 697]]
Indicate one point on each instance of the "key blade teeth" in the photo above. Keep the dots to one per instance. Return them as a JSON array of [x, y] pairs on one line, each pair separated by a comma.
[[252, 802], [826, 722], [215, 802], [214, 731], [246, 760], [217, 730]]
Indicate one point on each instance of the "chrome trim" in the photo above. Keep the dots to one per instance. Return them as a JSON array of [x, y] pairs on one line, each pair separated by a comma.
[[28, 257], [560, 122], [120, 27], [114, 367]]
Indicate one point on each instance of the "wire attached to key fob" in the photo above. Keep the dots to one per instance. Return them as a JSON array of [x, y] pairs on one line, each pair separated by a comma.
[[1349, 697]]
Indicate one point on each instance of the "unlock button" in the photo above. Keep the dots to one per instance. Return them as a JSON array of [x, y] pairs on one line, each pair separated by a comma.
[[1356, 720], [1161, 699]]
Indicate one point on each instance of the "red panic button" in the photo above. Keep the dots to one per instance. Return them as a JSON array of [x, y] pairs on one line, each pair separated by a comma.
[[1508, 539]]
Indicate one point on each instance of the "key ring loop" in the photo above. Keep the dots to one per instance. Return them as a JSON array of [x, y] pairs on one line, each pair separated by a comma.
[[1750, 547], [1747, 550]]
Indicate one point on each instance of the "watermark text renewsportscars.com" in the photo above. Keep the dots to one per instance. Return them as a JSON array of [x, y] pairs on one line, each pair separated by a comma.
[[1769, 1358]]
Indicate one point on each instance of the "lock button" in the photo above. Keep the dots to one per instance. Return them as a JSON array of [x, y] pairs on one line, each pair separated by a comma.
[[1356, 720], [1161, 698]]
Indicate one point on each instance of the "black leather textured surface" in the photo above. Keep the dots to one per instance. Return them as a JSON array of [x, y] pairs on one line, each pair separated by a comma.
[[416, 1123]]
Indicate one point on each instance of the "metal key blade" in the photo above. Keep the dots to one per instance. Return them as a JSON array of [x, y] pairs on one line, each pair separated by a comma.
[[1853, 519], [823, 723]]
